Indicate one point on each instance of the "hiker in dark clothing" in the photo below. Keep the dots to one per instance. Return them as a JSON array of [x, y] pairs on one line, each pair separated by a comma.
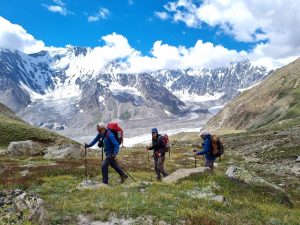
[[207, 150], [111, 149], [158, 154]]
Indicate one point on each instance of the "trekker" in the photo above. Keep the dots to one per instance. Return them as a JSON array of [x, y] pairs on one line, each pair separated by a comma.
[[158, 154], [207, 150], [111, 149]]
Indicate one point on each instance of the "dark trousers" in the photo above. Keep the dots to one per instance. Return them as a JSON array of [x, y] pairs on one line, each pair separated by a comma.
[[159, 166], [209, 163], [113, 163]]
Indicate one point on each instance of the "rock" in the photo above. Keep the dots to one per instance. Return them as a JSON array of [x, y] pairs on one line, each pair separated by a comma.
[[17, 207], [83, 220], [139, 184], [242, 175], [67, 151], [3, 152], [296, 169], [114, 220], [298, 159], [208, 194], [91, 185], [184, 173], [220, 198], [24, 173], [26, 148]]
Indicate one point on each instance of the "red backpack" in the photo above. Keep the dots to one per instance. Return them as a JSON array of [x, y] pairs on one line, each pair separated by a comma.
[[117, 131], [164, 138]]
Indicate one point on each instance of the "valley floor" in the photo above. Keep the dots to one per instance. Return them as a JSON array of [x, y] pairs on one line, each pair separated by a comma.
[[56, 182]]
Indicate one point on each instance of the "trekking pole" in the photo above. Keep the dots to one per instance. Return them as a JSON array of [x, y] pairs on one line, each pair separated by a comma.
[[195, 162], [85, 163], [125, 170], [102, 155], [149, 165]]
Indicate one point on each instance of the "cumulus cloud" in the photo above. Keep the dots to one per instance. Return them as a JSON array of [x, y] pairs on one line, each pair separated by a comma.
[[162, 15], [270, 24], [202, 55], [103, 13], [15, 37], [59, 7]]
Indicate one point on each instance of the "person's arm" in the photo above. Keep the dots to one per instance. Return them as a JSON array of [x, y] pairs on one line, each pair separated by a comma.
[[206, 147], [96, 139], [150, 148], [114, 142]]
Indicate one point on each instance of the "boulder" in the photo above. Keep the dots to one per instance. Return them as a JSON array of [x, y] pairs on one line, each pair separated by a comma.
[[244, 176], [184, 173], [91, 185], [18, 207], [298, 159], [67, 151], [27, 148]]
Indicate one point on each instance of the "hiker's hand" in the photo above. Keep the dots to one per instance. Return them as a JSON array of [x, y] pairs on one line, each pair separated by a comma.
[[113, 156], [147, 148], [194, 150], [86, 145], [158, 154]]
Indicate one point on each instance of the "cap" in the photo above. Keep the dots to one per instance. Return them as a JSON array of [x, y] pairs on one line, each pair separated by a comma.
[[101, 125], [154, 130], [204, 132]]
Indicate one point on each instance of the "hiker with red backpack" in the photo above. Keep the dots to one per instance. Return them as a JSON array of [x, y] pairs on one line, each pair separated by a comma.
[[110, 138], [207, 150], [159, 147]]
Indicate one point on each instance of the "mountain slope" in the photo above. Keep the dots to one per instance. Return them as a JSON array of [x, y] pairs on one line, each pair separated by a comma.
[[70, 89], [277, 98], [14, 129]]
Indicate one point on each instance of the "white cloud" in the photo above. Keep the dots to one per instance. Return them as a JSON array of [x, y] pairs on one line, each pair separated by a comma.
[[102, 14], [130, 2], [59, 7], [164, 56], [272, 25], [15, 37], [162, 15], [59, 2]]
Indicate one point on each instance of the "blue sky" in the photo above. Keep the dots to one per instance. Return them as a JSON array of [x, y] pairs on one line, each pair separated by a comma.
[[205, 33], [134, 19]]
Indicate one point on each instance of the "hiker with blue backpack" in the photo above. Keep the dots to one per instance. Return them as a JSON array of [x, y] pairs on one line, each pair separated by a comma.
[[160, 145], [110, 138], [212, 148]]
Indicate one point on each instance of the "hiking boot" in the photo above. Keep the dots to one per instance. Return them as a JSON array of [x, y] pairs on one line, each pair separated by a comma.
[[158, 178], [123, 178]]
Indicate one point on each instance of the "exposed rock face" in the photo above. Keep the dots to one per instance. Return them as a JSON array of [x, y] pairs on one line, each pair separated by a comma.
[[184, 173], [17, 207], [91, 185], [244, 176], [298, 159], [68, 151], [26, 148]]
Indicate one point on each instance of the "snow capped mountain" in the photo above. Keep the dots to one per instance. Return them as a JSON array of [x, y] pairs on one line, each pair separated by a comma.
[[74, 87], [198, 85]]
